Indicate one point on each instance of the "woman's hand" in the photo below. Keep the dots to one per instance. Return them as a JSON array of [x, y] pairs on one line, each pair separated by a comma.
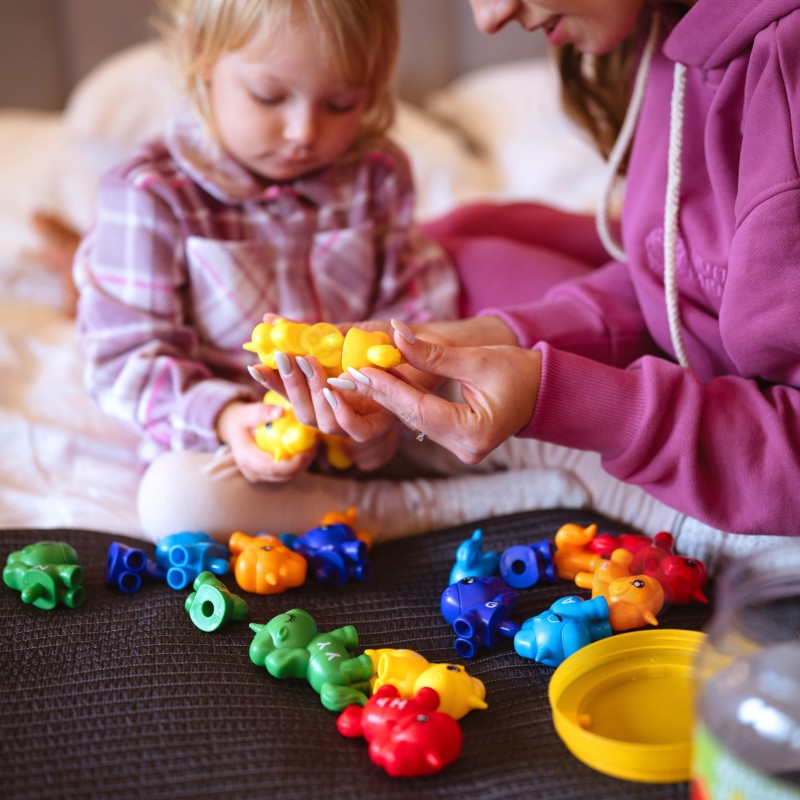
[[235, 426], [499, 386]]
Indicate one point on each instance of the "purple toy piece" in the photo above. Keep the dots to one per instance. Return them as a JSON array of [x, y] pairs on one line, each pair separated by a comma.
[[523, 566], [478, 609], [125, 567], [185, 555], [568, 625], [334, 553]]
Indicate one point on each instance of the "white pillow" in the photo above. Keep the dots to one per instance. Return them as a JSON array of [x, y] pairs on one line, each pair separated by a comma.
[[513, 111]]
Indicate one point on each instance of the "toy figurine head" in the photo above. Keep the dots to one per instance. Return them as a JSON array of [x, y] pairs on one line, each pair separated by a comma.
[[294, 628]]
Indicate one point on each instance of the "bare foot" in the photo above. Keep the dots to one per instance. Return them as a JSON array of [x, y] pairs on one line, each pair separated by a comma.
[[58, 242]]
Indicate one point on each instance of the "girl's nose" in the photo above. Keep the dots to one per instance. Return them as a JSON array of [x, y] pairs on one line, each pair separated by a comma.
[[300, 126], [492, 15]]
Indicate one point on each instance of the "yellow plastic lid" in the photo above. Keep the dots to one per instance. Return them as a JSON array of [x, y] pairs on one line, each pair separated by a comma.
[[624, 705]]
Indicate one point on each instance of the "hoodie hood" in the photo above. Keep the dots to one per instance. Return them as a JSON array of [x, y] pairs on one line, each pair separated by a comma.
[[713, 32]]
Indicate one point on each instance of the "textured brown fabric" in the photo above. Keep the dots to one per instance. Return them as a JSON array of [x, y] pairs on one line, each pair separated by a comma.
[[125, 698]]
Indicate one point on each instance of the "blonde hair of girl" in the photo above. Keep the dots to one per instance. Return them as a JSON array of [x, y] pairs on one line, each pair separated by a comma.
[[359, 37]]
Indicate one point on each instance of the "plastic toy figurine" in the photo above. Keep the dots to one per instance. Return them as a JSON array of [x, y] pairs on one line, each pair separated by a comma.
[[264, 565], [409, 738], [573, 550], [287, 436], [683, 579], [357, 348], [608, 568], [290, 646], [479, 609], [185, 555], [523, 566], [634, 602], [605, 543], [409, 673], [471, 561], [46, 574], [348, 517], [334, 553], [568, 625], [211, 605], [126, 566]]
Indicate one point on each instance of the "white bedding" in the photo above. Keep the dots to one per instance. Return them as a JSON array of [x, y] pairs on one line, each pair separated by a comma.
[[63, 463]]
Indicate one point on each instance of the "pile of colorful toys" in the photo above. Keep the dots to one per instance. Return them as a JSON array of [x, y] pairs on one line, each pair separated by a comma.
[[632, 580], [407, 709]]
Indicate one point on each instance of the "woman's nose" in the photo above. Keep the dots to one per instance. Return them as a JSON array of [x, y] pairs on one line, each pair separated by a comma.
[[492, 15]]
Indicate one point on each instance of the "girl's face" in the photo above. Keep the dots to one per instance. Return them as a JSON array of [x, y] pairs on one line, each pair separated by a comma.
[[281, 111], [592, 26]]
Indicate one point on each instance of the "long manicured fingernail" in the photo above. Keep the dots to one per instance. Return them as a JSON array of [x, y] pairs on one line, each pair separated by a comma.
[[359, 376], [283, 364], [340, 383], [328, 395], [256, 375], [305, 367], [404, 331]]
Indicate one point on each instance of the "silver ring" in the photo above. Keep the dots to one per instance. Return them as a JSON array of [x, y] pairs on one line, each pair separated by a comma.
[[420, 436]]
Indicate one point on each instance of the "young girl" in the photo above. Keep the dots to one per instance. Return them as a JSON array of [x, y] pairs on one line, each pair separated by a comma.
[[273, 190], [678, 362]]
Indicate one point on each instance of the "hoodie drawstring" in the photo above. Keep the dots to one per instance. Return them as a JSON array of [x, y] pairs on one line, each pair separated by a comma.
[[672, 199]]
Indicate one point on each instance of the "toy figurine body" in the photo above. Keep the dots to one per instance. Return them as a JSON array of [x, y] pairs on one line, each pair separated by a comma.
[[523, 566], [634, 602], [471, 561], [568, 625], [574, 551], [290, 646], [336, 352], [264, 565], [607, 569], [683, 579], [211, 605], [126, 566], [605, 543], [409, 673], [408, 737], [46, 574], [287, 436], [479, 609], [185, 555], [334, 553]]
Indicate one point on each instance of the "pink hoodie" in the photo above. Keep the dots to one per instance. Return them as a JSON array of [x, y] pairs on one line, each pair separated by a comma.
[[719, 441]]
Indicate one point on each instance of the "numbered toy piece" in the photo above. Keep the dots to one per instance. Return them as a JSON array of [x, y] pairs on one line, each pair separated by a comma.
[[574, 551], [211, 605], [183, 556], [569, 624], [357, 348], [264, 565], [607, 569], [471, 561], [523, 566], [408, 737], [286, 436], [409, 673], [46, 574], [290, 646], [334, 553], [479, 609], [634, 602], [126, 566], [683, 579]]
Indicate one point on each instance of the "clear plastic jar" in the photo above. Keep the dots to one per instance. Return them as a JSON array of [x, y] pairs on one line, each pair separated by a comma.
[[747, 724]]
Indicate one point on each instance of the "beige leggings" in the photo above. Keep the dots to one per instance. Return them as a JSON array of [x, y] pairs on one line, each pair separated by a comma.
[[190, 491]]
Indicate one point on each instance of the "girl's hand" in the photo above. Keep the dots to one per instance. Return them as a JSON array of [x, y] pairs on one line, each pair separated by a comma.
[[499, 385], [235, 426]]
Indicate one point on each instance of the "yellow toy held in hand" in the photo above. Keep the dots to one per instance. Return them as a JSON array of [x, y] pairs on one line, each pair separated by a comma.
[[287, 436], [325, 342]]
